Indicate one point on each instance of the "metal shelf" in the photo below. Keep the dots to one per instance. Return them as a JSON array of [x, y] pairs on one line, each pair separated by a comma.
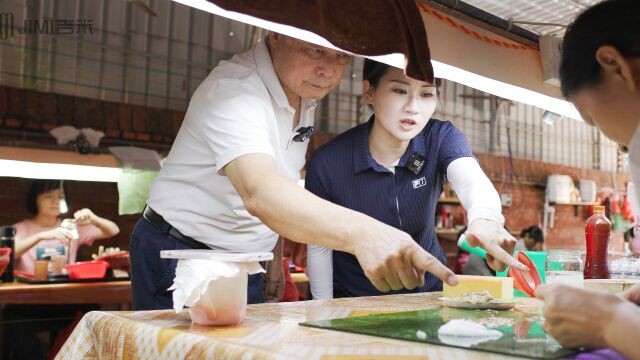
[[448, 234], [575, 203]]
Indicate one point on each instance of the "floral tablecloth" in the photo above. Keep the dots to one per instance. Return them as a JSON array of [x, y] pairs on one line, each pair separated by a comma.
[[270, 331]]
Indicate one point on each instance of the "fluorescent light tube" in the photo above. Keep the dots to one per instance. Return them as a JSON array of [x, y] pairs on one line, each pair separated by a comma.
[[35, 170]]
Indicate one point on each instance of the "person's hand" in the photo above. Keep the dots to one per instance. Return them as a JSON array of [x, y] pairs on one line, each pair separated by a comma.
[[84, 217], [60, 234], [633, 294], [297, 252], [577, 316], [499, 244], [392, 260]]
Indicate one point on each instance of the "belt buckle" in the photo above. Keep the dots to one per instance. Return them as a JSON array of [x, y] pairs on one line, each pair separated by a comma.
[[146, 212]]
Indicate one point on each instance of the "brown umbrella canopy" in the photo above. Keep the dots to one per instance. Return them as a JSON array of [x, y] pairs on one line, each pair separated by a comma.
[[363, 27]]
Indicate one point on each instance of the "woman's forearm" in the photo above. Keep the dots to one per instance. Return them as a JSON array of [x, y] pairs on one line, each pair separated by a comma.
[[25, 245], [107, 227]]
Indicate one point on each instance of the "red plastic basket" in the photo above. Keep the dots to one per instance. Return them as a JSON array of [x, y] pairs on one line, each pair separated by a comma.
[[87, 270], [117, 261]]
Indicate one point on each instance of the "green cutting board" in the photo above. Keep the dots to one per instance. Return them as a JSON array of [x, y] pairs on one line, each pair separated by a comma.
[[523, 337]]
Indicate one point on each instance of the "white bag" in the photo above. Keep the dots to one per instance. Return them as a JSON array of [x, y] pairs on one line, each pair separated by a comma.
[[214, 291]]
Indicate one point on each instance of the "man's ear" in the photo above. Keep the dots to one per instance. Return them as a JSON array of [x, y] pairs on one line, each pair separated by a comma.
[[274, 38], [615, 65]]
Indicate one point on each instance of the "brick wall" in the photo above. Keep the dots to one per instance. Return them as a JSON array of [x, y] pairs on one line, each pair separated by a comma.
[[527, 189], [35, 113]]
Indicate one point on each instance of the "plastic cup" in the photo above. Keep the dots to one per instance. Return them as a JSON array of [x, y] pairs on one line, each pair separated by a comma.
[[41, 270], [57, 263]]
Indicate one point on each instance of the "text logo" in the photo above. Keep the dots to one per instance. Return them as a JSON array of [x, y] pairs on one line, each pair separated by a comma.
[[419, 182], [46, 26]]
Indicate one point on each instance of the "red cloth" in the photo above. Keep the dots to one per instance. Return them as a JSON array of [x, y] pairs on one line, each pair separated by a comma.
[[626, 211], [290, 290], [363, 27], [615, 207]]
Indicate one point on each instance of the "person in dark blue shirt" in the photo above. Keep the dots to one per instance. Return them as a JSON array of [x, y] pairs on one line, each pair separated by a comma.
[[392, 168]]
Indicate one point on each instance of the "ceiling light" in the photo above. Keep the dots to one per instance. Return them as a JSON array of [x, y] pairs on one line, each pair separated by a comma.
[[64, 208], [37, 170]]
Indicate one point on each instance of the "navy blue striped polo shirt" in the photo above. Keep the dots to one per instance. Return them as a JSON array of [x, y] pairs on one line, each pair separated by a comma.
[[343, 172]]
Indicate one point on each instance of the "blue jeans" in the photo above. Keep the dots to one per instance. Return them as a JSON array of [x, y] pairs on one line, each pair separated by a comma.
[[151, 276]]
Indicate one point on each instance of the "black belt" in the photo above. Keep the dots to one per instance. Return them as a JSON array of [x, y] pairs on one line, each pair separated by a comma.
[[158, 221]]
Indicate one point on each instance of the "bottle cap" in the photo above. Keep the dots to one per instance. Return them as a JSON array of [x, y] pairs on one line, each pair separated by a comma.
[[8, 232], [598, 209]]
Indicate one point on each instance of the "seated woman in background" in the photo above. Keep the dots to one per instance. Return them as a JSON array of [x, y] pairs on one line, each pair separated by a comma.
[[42, 235], [392, 168], [531, 239], [36, 238]]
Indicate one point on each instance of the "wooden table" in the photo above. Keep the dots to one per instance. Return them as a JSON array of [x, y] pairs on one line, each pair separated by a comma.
[[611, 285], [107, 292]]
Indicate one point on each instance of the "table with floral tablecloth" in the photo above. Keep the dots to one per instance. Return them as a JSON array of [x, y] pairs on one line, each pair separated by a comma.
[[270, 331]]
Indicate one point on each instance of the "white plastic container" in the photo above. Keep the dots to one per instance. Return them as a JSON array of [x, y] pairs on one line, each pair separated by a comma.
[[559, 188], [213, 284], [587, 190]]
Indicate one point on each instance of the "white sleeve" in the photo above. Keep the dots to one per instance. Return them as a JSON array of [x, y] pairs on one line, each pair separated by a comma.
[[475, 190], [320, 271]]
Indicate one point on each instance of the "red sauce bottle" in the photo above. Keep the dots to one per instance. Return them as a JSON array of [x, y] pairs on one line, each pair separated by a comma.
[[597, 231]]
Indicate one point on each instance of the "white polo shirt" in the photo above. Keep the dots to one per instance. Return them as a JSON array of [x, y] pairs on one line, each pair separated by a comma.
[[240, 108]]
